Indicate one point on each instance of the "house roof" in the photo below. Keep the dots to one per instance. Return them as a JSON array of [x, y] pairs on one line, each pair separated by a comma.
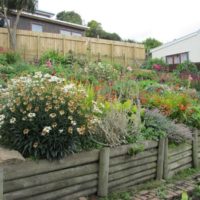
[[51, 20], [175, 41], [44, 13]]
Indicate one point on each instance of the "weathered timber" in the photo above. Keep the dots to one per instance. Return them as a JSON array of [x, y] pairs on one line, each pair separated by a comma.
[[195, 160], [131, 177], [127, 158], [131, 171], [179, 149], [103, 172], [173, 172], [133, 164], [133, 182], [1, 184], [50, 177], [165, 168], [118, 151], [36, 190], [43, 166], [57, 193], [180, 163], [180, 156], [160, 161], [80, 194]]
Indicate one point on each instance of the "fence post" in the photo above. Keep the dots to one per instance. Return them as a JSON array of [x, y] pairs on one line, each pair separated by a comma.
[[195, 149], [103, 172], [165, 168], [160, 161], [1, 184]]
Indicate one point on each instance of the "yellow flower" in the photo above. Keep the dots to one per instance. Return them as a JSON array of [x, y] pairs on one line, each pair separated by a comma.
[[52, 115], [81, 130], [62, 112], [70, 130], [26, 131], [35, 145], [29, 107], [54, 125]]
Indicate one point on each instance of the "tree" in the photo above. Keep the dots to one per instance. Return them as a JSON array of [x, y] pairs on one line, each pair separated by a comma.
[[151, 43], [95, 29], [18, 6], [69, 16]]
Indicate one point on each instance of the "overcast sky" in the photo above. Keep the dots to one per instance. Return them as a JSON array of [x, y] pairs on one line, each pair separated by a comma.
[[164, 20]]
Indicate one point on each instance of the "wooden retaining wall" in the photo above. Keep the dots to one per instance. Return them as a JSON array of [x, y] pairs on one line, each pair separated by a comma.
[[96, 172]]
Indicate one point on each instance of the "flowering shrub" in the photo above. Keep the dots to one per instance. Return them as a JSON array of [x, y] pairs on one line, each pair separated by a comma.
[[44, 117], [101, 71]]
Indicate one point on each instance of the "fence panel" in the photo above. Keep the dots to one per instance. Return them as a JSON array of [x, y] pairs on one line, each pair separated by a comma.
[[32, 45]]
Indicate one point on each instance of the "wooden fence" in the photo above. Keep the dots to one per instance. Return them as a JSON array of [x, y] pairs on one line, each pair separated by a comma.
[[32, 45], [98, 171]]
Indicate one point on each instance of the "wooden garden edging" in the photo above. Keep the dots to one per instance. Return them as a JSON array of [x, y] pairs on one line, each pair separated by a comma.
[[98, 171]]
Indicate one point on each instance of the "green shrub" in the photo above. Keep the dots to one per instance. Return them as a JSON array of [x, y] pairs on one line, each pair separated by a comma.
[[12, 57], [3, 60], [157, 126], [44, 118], [154, 61], [186, 67]]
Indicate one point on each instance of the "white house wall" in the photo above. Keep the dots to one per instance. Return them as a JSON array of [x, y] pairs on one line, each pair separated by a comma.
[[191, 45]]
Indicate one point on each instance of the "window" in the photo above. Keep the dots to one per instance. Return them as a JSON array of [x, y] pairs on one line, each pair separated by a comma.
[[177, 58], [76, 34], [64, 32], [7, 24], [37, 28]]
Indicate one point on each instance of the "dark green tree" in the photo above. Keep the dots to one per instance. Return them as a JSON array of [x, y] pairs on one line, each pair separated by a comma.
[[69, 16], [15, 6], [151, 43], [95, 29]]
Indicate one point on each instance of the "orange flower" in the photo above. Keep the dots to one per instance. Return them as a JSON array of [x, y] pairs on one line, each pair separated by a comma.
[[182, 107]]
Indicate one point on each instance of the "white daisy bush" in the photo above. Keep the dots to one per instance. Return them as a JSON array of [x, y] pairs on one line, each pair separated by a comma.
[[45, 116]]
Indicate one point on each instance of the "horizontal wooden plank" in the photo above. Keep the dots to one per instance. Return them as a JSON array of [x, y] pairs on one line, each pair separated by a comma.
[[50, 177], [131, 178], [132, 164], [180, 163], [180, 156], [128, 158], [36, 190], [133, 182], [57, 193], [179, 149], [131, 171], [121, 150], [86, 192], [173, 172], [30, 168]]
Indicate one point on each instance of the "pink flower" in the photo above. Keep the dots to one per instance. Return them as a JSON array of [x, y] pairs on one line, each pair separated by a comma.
[[48, 63], [129, 68], [157, 67], [190, 78]]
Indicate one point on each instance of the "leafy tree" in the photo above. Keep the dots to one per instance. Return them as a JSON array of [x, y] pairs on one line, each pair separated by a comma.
[[151, 43], [96, 30], [69, 16], [8, 6]]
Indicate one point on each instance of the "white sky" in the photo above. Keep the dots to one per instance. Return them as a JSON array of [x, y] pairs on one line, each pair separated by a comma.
[[164, 20]]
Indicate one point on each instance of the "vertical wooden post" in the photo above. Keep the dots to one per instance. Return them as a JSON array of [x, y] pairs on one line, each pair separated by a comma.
[[38, 47], [103, 172], [195, 149], [160, 161], [111, 49], [1, 184], [165, 168], [63, 46]]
